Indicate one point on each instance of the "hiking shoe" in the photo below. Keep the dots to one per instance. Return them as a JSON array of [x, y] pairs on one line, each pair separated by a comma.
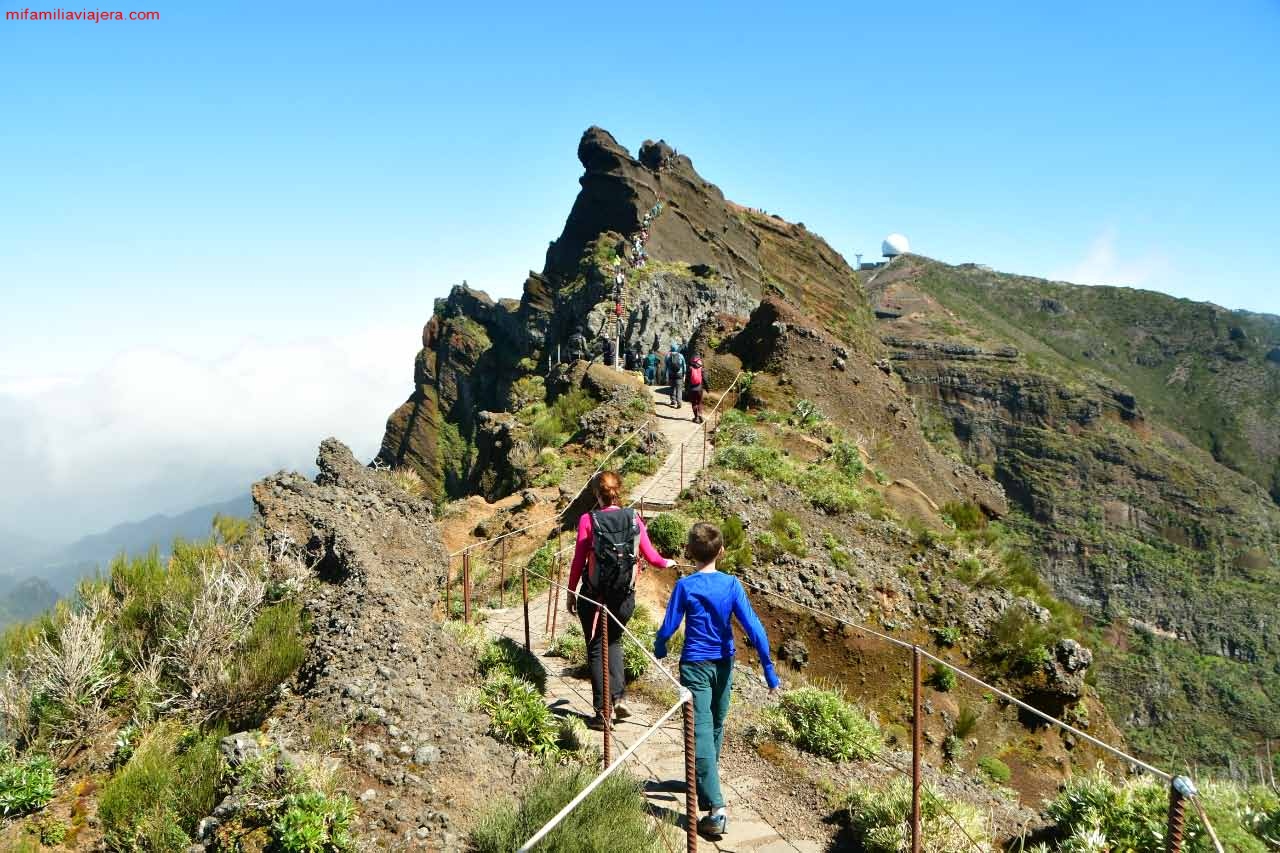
[[713, 826], [621, 711], [596, 723]]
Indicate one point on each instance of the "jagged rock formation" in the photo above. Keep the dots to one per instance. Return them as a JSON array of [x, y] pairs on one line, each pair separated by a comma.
[[379, 656], [705, 257]]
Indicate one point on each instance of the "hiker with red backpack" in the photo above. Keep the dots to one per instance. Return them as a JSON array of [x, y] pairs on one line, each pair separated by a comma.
[[610, 540], [696, 387]]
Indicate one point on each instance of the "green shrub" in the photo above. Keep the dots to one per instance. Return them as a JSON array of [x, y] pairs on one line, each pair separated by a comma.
[[614, 811], [947, 636], [506, 656], [570, 645], [169, 784], [639, 463], [562, 419], [552, 468], [764, 463], [806, 413], [1018, 643], [823, 723], [269, 656], [789, 533], [943, 678], [314, 823], [995, 769], [966, 722], [25, 785], [737, 547], [518, 715], [965, 515], [877, 820], [953, 748], [49, 830], [847, 459], [1132, 815], [669, 532], [839, 556], [830, 491]]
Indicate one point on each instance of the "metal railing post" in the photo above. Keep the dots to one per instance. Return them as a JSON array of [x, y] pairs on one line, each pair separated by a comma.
[[524, 593], [681, 470], [690, 778], [554, 592], [917, 726], [502, 576], [602, 614], [1177, 817], [466, 587], [448, 582], [704, 442]]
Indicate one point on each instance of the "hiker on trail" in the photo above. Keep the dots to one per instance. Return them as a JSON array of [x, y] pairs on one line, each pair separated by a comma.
[[675, 374], [707, 601], [696, 387], [651, 362], [608, 540], [577, 346]]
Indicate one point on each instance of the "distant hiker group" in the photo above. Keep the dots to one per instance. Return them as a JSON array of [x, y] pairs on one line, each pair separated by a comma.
[[606, 563]]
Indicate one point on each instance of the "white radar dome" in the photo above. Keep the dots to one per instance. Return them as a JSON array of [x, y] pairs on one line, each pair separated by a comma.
[[894, 245]]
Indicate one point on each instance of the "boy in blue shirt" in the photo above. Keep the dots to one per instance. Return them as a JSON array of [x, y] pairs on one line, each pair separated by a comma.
[[706, 600]]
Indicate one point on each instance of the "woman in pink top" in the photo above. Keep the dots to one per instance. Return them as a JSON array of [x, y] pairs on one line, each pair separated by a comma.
[[618, 595]]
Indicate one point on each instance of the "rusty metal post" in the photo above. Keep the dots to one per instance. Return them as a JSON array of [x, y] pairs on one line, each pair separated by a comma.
[[602, 615], [1177, 818], [466, 588], [690, 778], [642, 507], [704, 442], [524, 593], [554, 592], [917, 727], [502, 576], [681, 470], [448, 581]]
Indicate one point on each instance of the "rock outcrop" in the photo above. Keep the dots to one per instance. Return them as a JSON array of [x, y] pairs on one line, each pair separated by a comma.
[[380, 662], [703, 257]]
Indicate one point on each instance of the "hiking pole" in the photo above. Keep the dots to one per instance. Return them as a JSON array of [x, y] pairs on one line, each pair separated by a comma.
[[917, 724], [602, 616]]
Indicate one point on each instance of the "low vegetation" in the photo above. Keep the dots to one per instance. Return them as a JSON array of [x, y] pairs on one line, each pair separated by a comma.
[[668, 532], [877, 820], [823, 723], [1095, 812], [554, 425], [613, 811], [171, 654]]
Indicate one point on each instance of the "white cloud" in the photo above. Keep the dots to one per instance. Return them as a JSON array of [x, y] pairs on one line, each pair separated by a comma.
[[1102, 264], [154, 430]]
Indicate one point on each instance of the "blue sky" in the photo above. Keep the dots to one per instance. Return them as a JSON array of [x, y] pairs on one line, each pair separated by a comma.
[[184, 202]]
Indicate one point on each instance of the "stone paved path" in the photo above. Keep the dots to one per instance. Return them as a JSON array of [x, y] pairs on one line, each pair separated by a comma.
[[663, 487], [660, 759]]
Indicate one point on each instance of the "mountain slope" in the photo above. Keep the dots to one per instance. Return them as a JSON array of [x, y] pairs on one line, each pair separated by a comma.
[[1076, 399]]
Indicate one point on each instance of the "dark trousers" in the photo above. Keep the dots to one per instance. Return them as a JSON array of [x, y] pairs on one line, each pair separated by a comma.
[[617, 672]]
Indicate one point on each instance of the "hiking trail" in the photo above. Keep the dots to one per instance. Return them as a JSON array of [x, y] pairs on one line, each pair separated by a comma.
[[661, 489], [659, 761]]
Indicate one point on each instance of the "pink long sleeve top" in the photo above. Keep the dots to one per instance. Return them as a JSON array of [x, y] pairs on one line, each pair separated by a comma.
[[584, 555]]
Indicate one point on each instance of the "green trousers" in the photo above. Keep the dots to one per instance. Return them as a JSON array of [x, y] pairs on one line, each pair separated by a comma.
[[710, 682]]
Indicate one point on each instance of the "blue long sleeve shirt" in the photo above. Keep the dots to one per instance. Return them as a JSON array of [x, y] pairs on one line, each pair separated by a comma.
[[706, 601]]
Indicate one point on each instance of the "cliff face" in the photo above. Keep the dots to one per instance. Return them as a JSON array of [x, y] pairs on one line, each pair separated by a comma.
[[704, 257], [1144, 530]]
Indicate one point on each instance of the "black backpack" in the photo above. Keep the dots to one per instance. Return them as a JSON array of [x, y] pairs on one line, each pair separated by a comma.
[[614, 536]]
